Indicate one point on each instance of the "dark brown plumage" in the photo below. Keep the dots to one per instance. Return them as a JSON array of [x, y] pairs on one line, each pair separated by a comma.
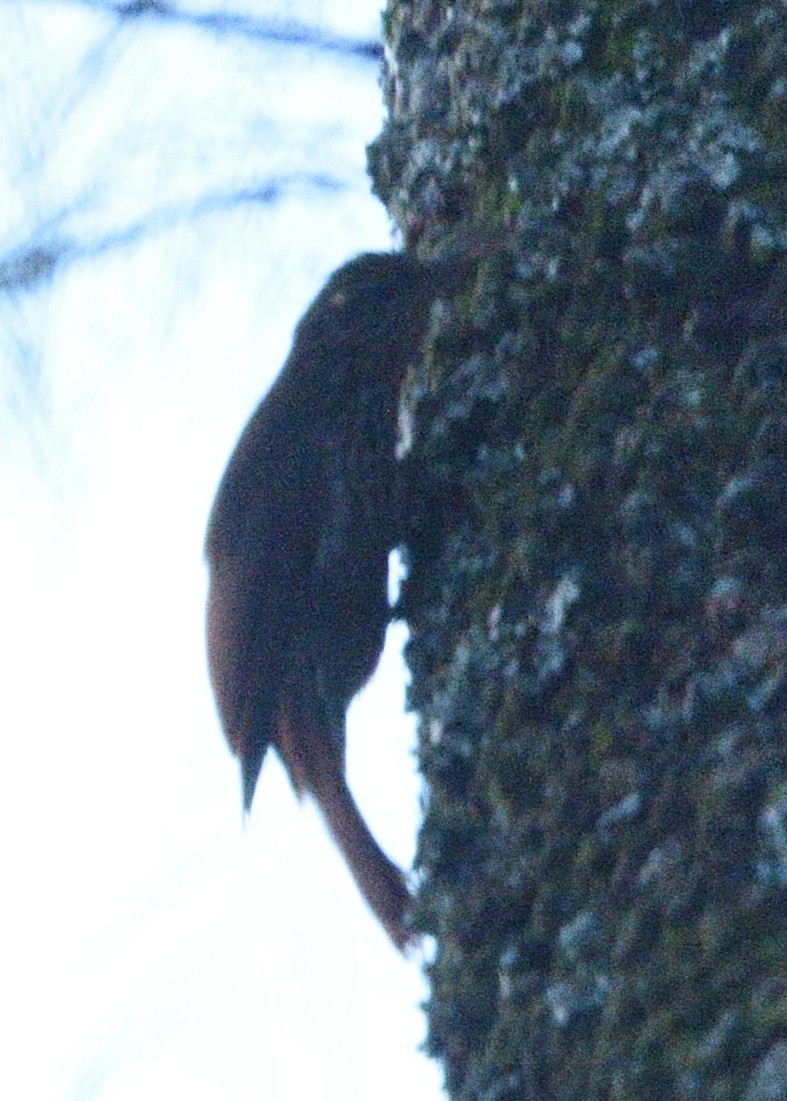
[[298, 542]]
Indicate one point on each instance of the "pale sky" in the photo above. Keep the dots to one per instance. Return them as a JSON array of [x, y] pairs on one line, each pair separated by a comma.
[[152, 947]]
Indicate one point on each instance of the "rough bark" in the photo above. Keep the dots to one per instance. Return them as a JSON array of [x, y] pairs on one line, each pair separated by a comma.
[[598, 589]]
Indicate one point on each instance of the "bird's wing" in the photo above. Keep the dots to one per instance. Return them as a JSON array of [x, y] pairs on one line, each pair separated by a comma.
[[259, 549]]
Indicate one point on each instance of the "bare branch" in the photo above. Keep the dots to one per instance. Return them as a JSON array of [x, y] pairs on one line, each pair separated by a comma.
[[35, 262], [241, 25]]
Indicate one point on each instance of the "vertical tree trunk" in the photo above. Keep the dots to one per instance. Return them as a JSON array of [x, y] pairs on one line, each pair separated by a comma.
[[598, 542]]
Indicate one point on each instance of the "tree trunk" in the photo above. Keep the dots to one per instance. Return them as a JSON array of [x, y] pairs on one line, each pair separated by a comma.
[[598, 542]]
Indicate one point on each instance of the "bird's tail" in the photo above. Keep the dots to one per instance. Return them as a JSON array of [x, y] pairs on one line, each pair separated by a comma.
[[315, 765], [378, 879]]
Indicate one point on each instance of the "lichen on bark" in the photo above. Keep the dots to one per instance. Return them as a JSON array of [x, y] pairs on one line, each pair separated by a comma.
[[598, 568]]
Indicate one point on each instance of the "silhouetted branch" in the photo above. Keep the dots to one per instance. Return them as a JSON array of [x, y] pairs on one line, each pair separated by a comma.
[[241, 25], [34, 262]]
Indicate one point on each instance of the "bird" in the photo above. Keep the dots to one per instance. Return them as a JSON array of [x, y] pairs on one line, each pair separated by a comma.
[[298, 540]]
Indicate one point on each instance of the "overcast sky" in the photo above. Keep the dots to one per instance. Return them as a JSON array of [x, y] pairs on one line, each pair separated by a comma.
[[153, 947]]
